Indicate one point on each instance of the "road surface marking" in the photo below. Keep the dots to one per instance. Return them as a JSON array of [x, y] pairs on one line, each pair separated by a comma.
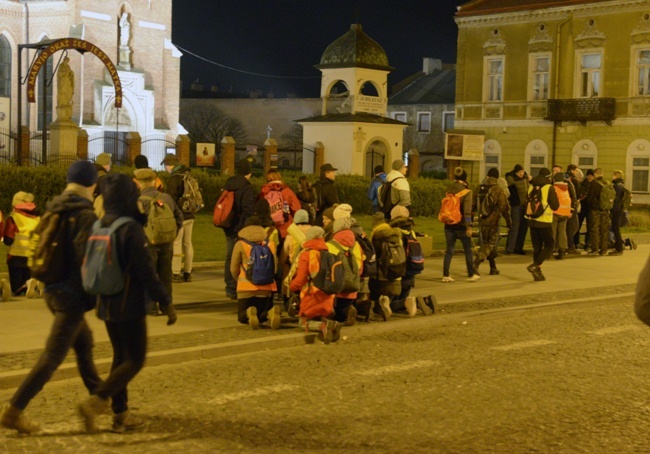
[[252, 393], [528, 344], [615, 330], [396, 368]]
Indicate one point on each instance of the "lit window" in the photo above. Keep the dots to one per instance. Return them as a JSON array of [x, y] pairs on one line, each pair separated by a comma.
[[537, 162], [643, 72], [5, 67], [495, 79], [640, 174], [424, 121], [590, 65], [540, 78]]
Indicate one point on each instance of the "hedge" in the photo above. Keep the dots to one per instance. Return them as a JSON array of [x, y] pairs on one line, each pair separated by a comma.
[[46, 182]]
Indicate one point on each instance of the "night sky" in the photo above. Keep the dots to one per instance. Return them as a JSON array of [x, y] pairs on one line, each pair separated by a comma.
[[288, 37]]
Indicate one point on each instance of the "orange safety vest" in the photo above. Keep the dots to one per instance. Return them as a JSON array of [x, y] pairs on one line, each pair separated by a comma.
[[563, 195], [243, 284]]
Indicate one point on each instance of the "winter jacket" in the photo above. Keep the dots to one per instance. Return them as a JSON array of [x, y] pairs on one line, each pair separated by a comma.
[[385, 233], [313, 302], [502, 207], [549, 200], [619, 188], [239, 262], [176, 187], [347, 241], [326, 196], [373, 188], [290, 199], [18, 228], [158, 185], [518, 188], [141, 280], [166, 198], [244, 202], [593, 196], [466, 205], [402, 194]]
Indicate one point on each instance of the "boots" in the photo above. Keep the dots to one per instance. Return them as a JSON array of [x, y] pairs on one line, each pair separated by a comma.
[[91, 408], [126, 421], [13, 418]]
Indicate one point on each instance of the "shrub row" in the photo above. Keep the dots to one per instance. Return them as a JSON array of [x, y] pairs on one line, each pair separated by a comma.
[[46, 182]]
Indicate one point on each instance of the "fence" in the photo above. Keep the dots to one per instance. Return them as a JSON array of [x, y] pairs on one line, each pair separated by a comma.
[[154, 147], [111, 142], [8, 145]]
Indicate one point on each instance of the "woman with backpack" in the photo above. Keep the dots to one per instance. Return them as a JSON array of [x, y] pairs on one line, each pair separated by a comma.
[[283, 202]]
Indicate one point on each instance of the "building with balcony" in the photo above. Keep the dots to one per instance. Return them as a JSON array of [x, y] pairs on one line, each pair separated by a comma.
[[549, 82]]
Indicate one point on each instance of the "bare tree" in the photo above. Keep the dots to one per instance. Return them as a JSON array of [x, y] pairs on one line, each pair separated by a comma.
[[208, 123], [293, 136]]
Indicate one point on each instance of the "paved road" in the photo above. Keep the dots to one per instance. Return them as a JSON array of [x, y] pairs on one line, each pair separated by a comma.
[[566, 378]]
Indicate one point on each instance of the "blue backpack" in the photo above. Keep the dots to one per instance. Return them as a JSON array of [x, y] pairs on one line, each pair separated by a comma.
[[100, 272], [260, 269]]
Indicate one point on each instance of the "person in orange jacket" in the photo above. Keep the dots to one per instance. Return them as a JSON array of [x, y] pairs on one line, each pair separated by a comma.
[[316, 306], [282, 200]]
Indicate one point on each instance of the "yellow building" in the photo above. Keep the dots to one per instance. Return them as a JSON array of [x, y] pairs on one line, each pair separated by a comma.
[[551, 82]]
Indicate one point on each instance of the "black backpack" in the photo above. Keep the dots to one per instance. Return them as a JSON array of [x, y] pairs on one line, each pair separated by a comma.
[[384, 197], [392, 261], [50, 261], [370, 260], [534, 206], [330, 278], [414, 255]]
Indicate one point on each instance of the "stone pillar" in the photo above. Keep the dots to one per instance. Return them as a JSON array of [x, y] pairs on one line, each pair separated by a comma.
[[183, 149], [319, 157], [133, 146], [414, 163], [270, 155], [23, 159], [227, 156], [82, 145]]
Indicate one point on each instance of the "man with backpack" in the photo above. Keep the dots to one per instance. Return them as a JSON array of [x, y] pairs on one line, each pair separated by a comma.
[[491, 204], [540, 204], [622, 202], [600, 199], [396, 190], [375, 184], [326, 193], [71, 216], [183, 248], [164, 220]]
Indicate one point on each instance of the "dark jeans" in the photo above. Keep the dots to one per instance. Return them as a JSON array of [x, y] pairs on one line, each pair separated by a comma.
[[18, 274], [341, 307], [616, 229], [572, 228], [69, 329], [162, 258], [543, 243], [517, 234], [451, 235], [599, 233], [129, 341], [263, 304], [231, 282]]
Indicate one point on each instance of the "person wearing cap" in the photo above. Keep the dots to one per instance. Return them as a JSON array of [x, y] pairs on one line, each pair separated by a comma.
[[377, 181], [491, 204], [141, 162], [243, 208], [161, 254], [183, 248], [518, 184], [400, 190], [327, 195], [541, 227], [18, 228], [66, 300]]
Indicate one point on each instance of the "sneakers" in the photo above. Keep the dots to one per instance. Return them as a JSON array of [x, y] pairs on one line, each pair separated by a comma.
[[31, 288], [253, 321], [536, 272], [432, 302], [336, 331], [14, 418], [351, 316], [126, 421], [294, 306], [423, 306], [275, 316], [411, 306], [177, 278], [187, 277], [384, 303], [630, 243], [474, 278], [447, 279], [6, 290], [494, 271], [90, 408], [326, 331]]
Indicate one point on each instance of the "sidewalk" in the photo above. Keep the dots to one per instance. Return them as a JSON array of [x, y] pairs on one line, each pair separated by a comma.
[[207, 322]]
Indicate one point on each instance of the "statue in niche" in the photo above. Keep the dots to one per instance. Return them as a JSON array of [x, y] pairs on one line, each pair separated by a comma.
[[65, 90], [125, 30]]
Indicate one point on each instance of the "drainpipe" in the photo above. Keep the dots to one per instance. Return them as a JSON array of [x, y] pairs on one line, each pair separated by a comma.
[[556, 88]]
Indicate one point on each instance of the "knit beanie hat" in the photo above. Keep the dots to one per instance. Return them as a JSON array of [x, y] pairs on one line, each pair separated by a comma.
[[103, 159], [591, 172], [314, 232], [518, 167], [243, 167], [83, 173], [341, 224], [170, 160], [301, 217], [399, 211], [379, 169], [460, 174], [544, 172], [329, 213], [493, 172], [141, 162], [343, 210], [398, 164]]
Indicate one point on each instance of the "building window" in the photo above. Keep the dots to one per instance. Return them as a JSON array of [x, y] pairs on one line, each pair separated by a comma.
[[448, 120], [5, 67], [640, 174], [643, 72], [492, 161], [399, 116], [540, 77], [424, 121], [46, 70], [494, 79], [536, 163], [585, 162], [590, 65]]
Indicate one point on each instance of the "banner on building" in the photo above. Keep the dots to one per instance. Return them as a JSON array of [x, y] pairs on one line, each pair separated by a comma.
[[205, 154], [464, 145]]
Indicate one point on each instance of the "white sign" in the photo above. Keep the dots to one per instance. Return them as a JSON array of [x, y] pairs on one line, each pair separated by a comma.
[[370, 104], [467, 147]]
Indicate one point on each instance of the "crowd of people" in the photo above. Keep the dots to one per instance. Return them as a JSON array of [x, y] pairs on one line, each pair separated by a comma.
[[301, 253]]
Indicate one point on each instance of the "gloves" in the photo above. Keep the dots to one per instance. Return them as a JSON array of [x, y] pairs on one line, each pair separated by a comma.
[[170, 312]]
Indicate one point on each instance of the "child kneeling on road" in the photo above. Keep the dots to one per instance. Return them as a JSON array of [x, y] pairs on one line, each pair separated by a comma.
[[253, 265], [316, 306]]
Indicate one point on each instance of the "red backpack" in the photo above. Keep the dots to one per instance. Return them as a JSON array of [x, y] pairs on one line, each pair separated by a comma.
[[450, 208], [276, 204], [224, 210]]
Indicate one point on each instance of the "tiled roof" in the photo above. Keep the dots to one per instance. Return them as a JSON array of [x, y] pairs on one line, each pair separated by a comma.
[[439, 87], [359, 117], [479, 7]]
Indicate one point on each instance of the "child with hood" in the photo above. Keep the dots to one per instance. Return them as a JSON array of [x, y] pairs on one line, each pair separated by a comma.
[[282, 199]]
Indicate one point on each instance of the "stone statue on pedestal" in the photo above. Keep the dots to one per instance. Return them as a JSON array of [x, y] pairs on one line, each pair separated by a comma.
[[125, 30], [65, 90]]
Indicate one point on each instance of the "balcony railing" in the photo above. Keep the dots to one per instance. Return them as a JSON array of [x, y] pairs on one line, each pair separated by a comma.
[[581, 109]]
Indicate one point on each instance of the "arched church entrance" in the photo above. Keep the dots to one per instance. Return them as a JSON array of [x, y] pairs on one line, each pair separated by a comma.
[[376, 153]]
